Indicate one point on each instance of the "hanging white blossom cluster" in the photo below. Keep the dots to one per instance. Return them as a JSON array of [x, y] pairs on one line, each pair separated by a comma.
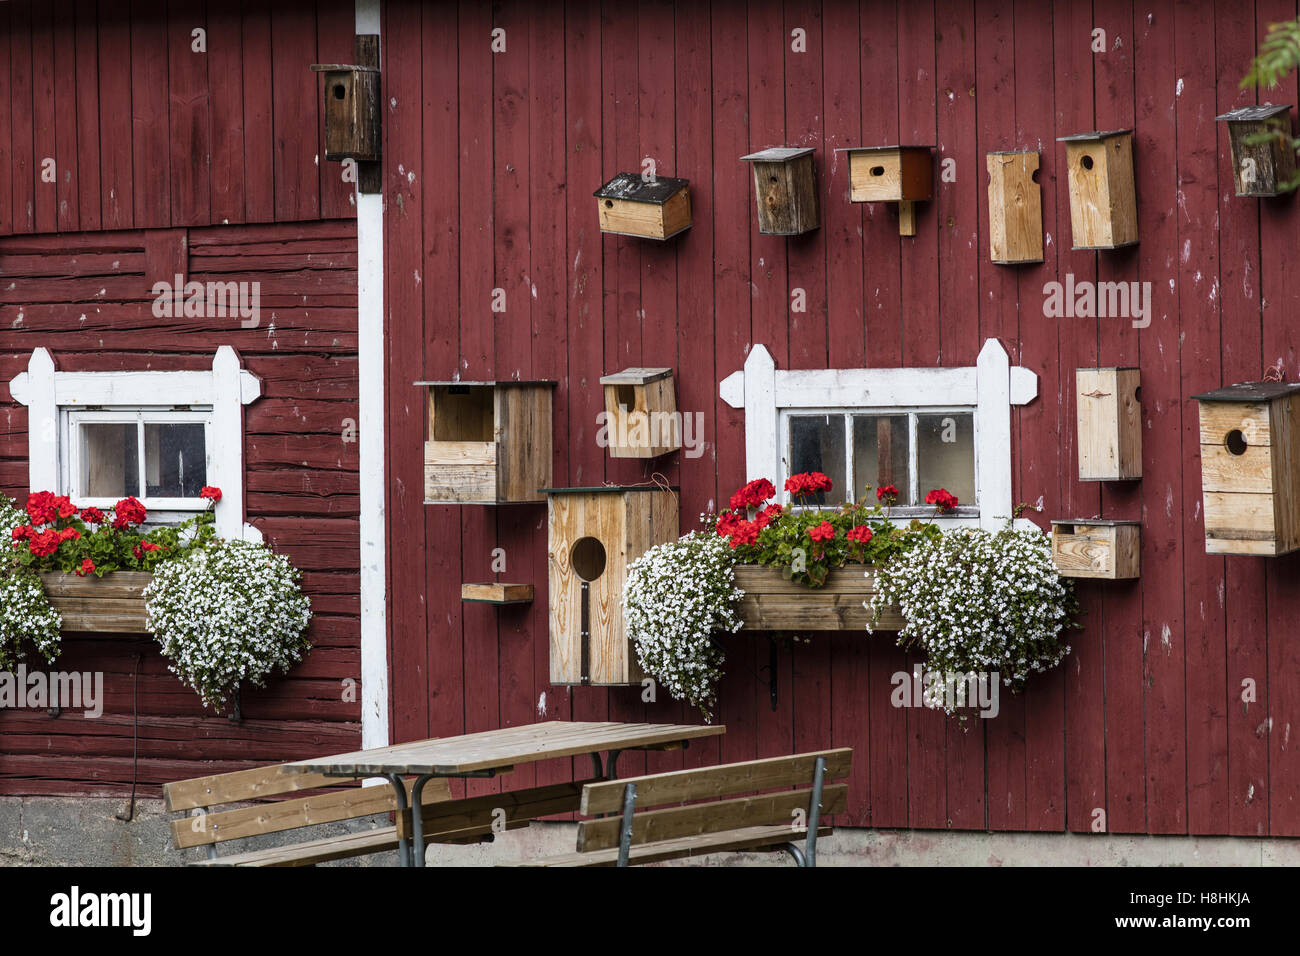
[[27, 621], [976, 603], [677, 595], [228, 614]]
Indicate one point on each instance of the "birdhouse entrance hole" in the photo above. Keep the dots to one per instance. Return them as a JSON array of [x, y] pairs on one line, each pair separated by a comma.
[[877, 170], [588, 558], [1235, 442], [464, 413], [340, 91], [625, 396], [1086, 161]]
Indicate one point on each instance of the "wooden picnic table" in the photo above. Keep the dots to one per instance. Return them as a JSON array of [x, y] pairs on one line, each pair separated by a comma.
[[489, 752]]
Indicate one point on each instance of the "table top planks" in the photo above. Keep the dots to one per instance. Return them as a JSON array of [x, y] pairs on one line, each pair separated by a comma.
[[499, 749]]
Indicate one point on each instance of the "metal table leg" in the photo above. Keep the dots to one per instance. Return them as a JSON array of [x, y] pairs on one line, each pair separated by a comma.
[[403, 845], [417, 821]]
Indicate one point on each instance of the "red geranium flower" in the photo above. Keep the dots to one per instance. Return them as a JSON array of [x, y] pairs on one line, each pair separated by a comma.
[[42, 507], [23, 532], [746, 533], [127, 512], [767, 515], [941, 499], [92, 515], [215, 494], [66, 508], [808, 483], [87, 567], [727, 522], [823, 532], [861, 533], [752, 495], [69, 534], [45, 543], [140, 549], [887, 491]]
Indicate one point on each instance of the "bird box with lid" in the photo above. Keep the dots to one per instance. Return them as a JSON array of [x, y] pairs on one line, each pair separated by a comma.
[[898, 174], [641, 419], [593, 535], [488, 442], [1015, 208], [352, 113], [1103, 202], [657, 208], [1108, 412], [1097, 548], [785, 184], [1262, 157], [1250, 476]]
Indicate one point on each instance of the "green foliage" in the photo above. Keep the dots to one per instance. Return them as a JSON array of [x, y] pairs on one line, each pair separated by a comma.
[[1278, 55]]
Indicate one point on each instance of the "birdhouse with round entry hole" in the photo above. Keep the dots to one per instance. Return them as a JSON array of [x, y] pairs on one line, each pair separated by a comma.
[[785, 184], [1250, 474], [1103, 201], [593, 536], [654, 208], [1262, 158], [896, 174], [351, 111]]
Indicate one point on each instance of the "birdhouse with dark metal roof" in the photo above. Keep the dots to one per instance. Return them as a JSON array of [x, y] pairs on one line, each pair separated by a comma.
[[641, 419], [1250, 468], [899, 174], [1103, 201], [1262, 158], [631, 205], [352, 114], [785, 184]]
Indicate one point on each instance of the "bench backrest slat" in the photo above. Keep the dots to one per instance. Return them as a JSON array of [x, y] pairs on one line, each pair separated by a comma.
[[766, 809], [706, 783], [240, 785]]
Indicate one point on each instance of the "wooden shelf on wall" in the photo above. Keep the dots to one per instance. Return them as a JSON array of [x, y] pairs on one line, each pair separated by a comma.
[[497, 592]]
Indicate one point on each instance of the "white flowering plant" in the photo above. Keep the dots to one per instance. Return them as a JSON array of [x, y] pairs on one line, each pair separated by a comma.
[[677, 596], [979, 602], [28, 624], [226, 614]]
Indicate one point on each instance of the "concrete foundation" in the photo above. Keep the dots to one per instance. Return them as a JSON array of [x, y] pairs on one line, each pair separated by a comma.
[[55, 831]]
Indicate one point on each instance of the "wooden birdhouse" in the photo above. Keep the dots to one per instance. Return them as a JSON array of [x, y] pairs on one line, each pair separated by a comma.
[[1103, 202], [1015, 208], [1250, 475], [1260, 168], [1108, 412], [656, 209], [899, 174], [352, 113], [1095, 548], [488, 442], [785, 184], [593, 535], [641, 417]]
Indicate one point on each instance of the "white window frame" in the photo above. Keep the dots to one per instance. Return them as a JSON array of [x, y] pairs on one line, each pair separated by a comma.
[[991, 388], [50, 395]]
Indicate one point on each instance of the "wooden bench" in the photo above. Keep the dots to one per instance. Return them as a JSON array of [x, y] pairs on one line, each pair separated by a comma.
[[444, 820], [698, 813]]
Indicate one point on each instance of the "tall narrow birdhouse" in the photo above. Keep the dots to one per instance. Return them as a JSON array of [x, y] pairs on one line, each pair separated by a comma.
[[785, 184], [1103, 202], [899, 174], [1097, 548], [641, 419], [1108, 412], [352, 114], [1250, 475], [593, 535], [1260, 168], [650, 209], [488, 442], [1015, 208]]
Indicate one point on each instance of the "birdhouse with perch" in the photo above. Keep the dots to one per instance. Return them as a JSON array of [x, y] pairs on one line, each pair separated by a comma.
[[1108, 413], [657, 208], [785, 184], [641, 418], [593, 535], [488, 442], [352, 114], [1262, 157], [896, 174], [1250, 476], [1015, 208], [1103, 202]]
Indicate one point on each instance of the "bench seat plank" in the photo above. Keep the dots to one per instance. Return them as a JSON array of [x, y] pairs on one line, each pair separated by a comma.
[[747, 838]]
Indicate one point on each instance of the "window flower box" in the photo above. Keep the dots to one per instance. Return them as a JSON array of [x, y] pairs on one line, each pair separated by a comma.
[[772, 602], [113, 604]]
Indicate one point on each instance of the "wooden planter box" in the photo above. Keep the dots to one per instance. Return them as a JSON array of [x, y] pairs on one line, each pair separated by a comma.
[[113, 604], [773, 603]]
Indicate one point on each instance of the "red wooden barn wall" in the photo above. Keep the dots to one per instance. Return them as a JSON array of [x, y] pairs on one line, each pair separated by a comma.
[[153, 144], [490, 161]]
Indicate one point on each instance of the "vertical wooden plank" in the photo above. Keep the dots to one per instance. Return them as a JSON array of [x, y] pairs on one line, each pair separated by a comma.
[[25, 166], [226, 113], [116, 171], [150, 150], [336, 43], [68, 156], [879, 58], [189, 115], [259, 153], [295, 110], [44, 119], [6, 129], [86, 54]]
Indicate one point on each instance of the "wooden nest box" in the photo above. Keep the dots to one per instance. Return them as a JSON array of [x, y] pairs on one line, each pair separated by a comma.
[[1108, 412], [641, 417], [488, 442], [1096, 548], [593, 535], [1259, 169], [1250, 476], [898, 174], [785, 184], [648, 209], [1015, 208], [352, 111], [1103, 202]]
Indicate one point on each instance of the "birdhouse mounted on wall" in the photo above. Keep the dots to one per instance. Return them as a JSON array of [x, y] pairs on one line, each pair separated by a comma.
[[488, 442], [1108, 412], [1258, 169], [1096, 548], [1015, 208], [898, 174], [658, 208], [593, 535], [1103, 202], [1250, 476], [352, 114], [641, 418], [785, 184]]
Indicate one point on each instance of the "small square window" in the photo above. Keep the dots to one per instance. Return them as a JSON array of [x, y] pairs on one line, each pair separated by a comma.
[[158, 456]]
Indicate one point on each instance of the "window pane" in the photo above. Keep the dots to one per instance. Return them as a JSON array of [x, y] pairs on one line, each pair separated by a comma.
[[109, 459], [945, 456], [880, 456], [175, 460], [817, 444]]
